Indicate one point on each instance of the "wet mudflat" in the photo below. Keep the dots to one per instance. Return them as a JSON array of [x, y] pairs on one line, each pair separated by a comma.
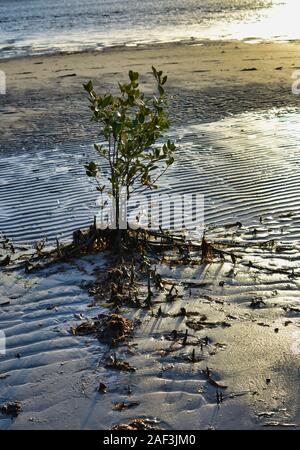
[[246, 166]]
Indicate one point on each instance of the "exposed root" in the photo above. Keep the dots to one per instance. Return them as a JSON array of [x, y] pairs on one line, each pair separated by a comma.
[[124, 405], [201, 324], [113, 363], [137, 424]]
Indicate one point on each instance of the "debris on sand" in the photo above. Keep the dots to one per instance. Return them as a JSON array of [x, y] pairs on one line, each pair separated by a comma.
[[128, 284], [84, 328], [266, 414], [112, 328], [113, 363], [257, 303], [137, 424], [4, 376], [125, 405], [192, 357], [279, 424], [102, 388], [171, 296], [184, 313], [116, 285], [215, 383], [181, 313], [11, 408], [109, 328], [212, 381], [291, 309], [67, 75], [4, 304], [203, 323], [5, 261], [219, 397], [207, 252]]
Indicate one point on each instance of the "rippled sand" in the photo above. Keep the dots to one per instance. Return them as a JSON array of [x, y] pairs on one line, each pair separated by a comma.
[[246, 166], [252, 351], [43, 28]]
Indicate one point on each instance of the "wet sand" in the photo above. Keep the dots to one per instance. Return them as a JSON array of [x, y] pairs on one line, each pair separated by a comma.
[[45, 102], [246, 165]]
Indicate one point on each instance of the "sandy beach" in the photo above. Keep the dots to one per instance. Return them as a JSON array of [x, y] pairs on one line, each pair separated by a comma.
[[241, 319], [233, 115], [207, 81]]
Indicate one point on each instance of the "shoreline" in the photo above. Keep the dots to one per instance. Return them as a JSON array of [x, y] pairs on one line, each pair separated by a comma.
[[152, 45], [271, 49]]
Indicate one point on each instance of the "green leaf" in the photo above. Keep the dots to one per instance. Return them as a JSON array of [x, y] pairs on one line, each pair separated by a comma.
[[91, 169], [88, 86], [133, 76], [170, 161], [99, 148], [91, 166], [161, 90], [130, 125], [107, 100], [116, 127]]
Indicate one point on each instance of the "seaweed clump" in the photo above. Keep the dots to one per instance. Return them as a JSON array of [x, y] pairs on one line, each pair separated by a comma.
[[137, 424], [109, 328]]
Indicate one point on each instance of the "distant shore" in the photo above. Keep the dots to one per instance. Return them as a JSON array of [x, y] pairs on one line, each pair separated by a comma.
[[218, 77], [233, 326]]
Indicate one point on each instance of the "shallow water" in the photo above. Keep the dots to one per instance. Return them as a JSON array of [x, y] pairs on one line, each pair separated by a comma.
[[39, 26], [52, 365], [247, 167]]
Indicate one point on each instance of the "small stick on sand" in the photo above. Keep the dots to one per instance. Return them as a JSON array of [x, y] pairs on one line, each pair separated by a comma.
[[185, 337]]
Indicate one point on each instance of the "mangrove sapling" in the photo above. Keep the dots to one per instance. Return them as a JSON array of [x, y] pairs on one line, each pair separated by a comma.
[[130, 126]]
